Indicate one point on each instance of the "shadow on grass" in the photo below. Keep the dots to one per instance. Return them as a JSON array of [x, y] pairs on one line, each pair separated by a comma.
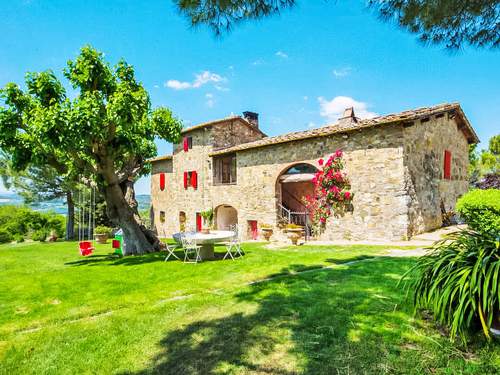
[[133, 260], [327, 322]]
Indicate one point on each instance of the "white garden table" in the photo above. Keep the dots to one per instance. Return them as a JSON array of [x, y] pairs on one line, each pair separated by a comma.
[[206, 241]]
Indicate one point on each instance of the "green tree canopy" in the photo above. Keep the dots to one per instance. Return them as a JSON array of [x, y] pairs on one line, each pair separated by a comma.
[[103, 136], [449, 22]]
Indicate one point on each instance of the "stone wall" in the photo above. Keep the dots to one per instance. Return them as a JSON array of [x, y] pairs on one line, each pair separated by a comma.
[[175, 198], [395, 173], [424, 145], [374, 163]]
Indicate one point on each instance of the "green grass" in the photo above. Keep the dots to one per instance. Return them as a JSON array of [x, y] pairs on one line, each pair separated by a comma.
[[61, 313]]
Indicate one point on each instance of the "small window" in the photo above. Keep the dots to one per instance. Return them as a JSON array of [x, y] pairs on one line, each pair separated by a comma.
[[187, 143], [191, 179], [224, 170], [162, 217]]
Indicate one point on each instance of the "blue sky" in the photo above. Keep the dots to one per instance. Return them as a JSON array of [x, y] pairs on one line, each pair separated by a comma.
[[297, 71]]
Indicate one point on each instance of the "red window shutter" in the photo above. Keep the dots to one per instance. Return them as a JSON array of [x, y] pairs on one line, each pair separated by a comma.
[[185, 180], [185, 144], [194, 179], [447, 165], [162, 181], [198, 222]]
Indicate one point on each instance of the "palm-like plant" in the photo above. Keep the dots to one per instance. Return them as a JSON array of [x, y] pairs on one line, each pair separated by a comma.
[[458, 281]]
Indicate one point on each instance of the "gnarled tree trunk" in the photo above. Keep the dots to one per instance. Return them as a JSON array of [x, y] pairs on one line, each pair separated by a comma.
[[122, 211]]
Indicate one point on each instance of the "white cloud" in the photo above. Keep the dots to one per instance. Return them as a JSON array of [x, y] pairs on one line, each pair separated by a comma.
[[282, 54], [342, 72], [200, 80], [306, 98], [156, 86], [177, 85], [210, 100], [258, 62], [334, 109]]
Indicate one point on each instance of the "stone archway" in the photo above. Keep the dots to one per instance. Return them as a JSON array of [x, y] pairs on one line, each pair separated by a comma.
[[225, 216], [294, 183]]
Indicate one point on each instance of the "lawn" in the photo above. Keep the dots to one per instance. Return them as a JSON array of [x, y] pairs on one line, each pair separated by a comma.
[[61, 313]]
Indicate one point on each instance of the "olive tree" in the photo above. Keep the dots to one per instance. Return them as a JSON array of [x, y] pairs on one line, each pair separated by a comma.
[[103, 136]]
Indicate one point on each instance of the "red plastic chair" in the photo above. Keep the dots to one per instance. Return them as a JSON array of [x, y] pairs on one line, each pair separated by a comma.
[[86, 248]]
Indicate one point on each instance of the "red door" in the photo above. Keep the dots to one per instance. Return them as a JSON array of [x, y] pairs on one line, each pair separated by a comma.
[[198, 222], [254, 233]]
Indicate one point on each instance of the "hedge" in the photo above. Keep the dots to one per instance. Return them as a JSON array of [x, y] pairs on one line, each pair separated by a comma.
[[481, 210]]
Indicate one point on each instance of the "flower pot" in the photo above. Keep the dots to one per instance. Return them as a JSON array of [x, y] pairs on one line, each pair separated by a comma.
[[294, 235], [267, 233], [101, 238]]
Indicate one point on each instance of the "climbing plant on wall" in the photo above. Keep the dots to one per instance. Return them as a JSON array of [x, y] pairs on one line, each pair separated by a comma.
[[332, 195]]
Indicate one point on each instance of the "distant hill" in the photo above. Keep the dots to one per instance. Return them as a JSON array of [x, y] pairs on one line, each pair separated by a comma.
[[58, 205]]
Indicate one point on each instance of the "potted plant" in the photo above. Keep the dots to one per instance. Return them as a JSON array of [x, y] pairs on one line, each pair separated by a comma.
[[267, 231], [208, 218], [101, 233], [294, 232]]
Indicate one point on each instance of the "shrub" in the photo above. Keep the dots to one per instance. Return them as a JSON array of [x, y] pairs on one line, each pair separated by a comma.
[[18, 238], [40, 235], [102, 229], [481, 210], [458, 281], [5, 236]]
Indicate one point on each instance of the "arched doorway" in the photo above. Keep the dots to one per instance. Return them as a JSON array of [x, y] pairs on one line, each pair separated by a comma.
[[293, 184], [225, 216]]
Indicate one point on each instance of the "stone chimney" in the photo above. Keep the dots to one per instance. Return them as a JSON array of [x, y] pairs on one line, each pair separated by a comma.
[[252, 118], [348, 117]]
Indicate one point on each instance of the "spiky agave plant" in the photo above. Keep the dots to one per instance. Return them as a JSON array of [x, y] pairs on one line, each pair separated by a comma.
[[458, 281]]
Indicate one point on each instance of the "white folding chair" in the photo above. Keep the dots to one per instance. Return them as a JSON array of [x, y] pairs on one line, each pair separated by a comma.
[[170, 251], [191, 249], [234, 245]]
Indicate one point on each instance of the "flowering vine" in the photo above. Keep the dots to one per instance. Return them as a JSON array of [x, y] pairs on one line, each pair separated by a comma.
[[331, 191]]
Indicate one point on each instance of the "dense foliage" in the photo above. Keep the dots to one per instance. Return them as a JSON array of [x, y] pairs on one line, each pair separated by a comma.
[[331, 191], [450, 22], [458, 280], [481, 210], [484, 165], [17, 223]]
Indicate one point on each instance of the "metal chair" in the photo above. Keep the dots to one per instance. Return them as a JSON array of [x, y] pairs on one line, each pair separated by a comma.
[[190, 249], [170, 251], [234, 245]]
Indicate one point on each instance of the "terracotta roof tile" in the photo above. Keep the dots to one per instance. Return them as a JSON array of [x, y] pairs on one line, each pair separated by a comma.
[[404, 116]]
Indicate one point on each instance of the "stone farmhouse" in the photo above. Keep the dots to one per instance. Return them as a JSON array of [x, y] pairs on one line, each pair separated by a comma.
[[404, 169]]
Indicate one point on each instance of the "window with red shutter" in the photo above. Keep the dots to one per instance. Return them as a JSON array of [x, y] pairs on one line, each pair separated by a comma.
[[162, 181], [447, 165], [194, 179], [185, 144], [185, 180]]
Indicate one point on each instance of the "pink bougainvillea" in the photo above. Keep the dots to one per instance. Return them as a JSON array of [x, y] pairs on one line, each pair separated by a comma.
[[331, 190]]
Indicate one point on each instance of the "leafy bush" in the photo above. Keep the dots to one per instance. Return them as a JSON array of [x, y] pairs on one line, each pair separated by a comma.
[[458, 281], [101, 229], [24, 221], [5, 236], [40, 235], [481, 210], [18, 238]]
